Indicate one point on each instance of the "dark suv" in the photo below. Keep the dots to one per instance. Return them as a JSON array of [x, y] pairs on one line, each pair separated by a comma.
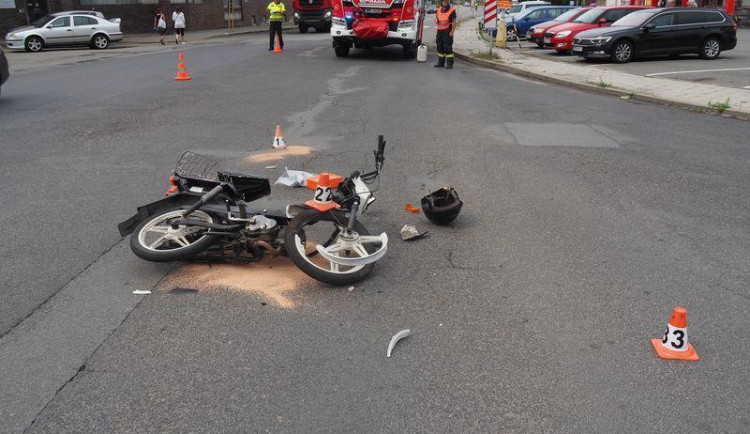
[[653, 32]]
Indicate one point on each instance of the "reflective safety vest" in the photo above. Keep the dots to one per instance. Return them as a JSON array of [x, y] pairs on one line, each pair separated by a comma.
[[443, 18], [276, 11]]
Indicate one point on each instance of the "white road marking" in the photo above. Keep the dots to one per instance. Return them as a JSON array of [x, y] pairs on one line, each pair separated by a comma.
[[700, 70]]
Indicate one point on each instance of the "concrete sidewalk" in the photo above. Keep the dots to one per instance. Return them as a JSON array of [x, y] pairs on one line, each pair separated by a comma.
[[694, 96], [199, 35]]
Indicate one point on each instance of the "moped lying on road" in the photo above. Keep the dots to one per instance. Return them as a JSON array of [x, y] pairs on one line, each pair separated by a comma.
[[207, 216]]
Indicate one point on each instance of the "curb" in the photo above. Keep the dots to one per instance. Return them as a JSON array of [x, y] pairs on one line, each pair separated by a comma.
[[597, 89], [216, 36]]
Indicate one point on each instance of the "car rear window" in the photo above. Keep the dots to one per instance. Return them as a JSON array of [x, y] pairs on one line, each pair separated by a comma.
[[712, 17], [689, 17], [84, 21]]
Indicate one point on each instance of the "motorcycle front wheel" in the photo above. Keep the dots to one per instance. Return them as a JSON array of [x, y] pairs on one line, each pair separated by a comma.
[[158, 239], [312, 228]]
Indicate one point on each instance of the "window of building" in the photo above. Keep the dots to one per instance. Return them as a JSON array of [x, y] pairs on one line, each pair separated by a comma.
[[7, 4], [182, 2], [108, 2]]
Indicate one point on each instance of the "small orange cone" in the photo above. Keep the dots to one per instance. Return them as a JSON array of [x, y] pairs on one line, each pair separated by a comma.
[[323, 194], [674, 345], [278, 139], [277, 47], [182, 74]]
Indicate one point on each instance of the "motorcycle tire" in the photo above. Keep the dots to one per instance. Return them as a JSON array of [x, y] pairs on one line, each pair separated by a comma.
[[296, 227], [182, 249]]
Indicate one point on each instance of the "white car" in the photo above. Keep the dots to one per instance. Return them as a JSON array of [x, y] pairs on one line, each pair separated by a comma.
[[519, 8], [65, 28]]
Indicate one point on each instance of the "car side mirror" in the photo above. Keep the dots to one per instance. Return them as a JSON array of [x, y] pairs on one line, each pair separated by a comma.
[[526, 19], [602, 20], [649, 26]]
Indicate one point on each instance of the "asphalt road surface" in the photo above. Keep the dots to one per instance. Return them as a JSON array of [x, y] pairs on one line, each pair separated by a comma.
[[586, 220], [731, 69]]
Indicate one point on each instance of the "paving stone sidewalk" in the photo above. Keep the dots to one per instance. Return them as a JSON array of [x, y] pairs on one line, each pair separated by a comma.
[[467, 44]]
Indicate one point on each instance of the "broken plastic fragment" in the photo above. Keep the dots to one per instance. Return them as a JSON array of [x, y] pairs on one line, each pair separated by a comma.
[[409, 232], [410, 208], [397, 337], [141, 292], [294, 178]]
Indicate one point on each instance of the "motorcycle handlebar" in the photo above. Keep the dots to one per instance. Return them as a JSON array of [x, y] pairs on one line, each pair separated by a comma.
[[381, 145]]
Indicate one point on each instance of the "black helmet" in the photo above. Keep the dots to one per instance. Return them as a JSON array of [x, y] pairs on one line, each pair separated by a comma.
[[442, 206]]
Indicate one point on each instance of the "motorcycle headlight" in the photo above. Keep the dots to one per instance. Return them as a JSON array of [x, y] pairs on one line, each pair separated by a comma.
[[328, 14], [563, 34]]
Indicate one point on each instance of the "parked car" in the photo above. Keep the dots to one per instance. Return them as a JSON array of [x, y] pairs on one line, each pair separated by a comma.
[[4, 72], [560, 38], [518, 8], [536, 33], [64, 28], [431, 9], [653, 32], [518, 26]]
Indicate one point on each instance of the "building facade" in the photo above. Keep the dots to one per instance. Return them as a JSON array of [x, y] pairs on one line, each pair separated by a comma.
[[138, 15]]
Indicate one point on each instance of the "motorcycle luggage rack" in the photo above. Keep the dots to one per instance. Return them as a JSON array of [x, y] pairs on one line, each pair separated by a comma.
[[197, 166]]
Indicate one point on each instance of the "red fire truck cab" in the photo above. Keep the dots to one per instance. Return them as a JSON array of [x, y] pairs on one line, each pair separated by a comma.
[[312, 13], [377, 23]]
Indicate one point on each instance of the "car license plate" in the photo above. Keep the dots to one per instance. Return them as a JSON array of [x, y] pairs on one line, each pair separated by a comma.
[[372, 11], [547, 40], [577, 48]]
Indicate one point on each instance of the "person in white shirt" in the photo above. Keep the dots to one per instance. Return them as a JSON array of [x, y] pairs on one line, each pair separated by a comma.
[[179, 26]]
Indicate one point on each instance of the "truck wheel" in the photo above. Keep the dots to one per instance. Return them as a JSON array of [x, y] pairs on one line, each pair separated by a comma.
[[342, 50], [410, 51], [302, 28]]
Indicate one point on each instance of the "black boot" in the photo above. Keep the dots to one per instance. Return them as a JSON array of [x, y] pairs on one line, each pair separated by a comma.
[[449, 65], [441, 62]]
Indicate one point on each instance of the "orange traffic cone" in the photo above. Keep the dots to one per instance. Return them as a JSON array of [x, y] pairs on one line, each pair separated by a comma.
[[182, 74], [277, 47], [322, 199], [674, 345], [278, 139]]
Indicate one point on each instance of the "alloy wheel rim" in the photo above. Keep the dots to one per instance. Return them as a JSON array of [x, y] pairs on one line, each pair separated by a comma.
[[712, 47], [166, 234], [34, 45], [622, 52], [100, 42]]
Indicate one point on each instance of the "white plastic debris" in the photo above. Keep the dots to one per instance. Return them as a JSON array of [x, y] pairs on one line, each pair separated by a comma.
[[397, 337], [141, 292], [409, 232], [294, 178], [351, 288], [270, 167]]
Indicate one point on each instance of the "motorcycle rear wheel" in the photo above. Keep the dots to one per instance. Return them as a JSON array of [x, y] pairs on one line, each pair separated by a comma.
[[156, 240], [300, 239]]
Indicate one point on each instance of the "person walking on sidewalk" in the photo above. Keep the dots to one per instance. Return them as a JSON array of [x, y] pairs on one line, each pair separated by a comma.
[[446, 20], [179, 26], [276, 11], [160, 26]]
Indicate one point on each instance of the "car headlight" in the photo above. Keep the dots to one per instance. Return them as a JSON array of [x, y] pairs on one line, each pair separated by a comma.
[[13, 36], [601, 40], [296, 15], [338, 22], [328, 14], [563, 34]]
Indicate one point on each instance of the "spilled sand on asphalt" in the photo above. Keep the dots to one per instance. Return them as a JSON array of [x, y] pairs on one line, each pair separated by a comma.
[[272, 278], [279, 154]]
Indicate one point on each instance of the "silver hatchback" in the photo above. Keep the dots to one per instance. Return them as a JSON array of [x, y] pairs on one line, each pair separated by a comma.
[[64, 29]]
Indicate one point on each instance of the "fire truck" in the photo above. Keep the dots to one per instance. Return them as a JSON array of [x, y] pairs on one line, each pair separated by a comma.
[[312, 13], [377, 23]]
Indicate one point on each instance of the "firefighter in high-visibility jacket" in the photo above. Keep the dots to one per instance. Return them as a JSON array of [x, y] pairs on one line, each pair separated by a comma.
[[446, 24]]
